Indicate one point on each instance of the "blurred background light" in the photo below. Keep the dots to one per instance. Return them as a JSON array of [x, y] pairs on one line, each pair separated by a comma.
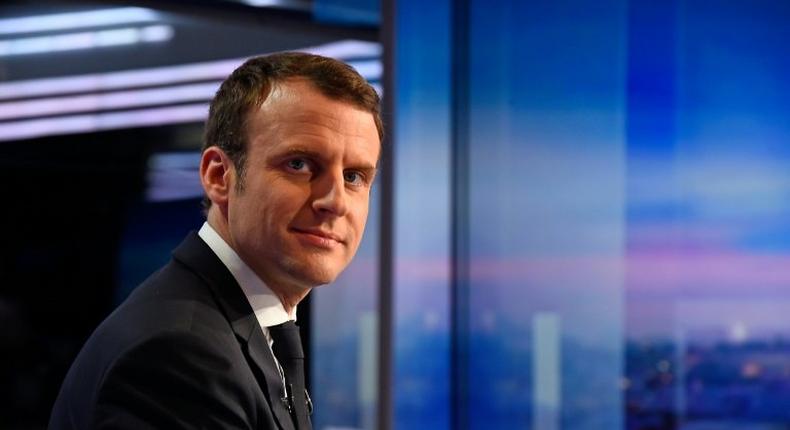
[[110, 100], [74, 20], [33, 106], [85, 40], [286, 4], [102, 121]]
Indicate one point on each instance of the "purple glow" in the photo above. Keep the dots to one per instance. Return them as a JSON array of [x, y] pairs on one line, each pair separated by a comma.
[[118, 80], [103, 121], [106, 101]]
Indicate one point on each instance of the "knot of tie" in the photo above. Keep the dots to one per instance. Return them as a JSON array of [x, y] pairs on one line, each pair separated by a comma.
[[287, 342]]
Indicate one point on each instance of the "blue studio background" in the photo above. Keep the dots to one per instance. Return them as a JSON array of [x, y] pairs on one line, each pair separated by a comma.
[[591, 214], [582, 219]]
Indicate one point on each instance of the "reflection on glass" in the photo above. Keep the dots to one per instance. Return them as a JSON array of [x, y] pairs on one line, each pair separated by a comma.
[[708, 332], [546, 214]]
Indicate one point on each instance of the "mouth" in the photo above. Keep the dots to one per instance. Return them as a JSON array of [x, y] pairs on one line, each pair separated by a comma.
[[317, 237]]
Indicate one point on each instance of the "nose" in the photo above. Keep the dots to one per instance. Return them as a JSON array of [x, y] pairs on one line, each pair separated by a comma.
[[329, 195]]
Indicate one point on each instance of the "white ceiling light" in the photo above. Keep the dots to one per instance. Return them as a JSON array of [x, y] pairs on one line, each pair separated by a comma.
[[344, 50], [85, 40], [70, 96], [74, 20], [108, 101], [215, 70], [285, 4], [103, 121], [347, 49]]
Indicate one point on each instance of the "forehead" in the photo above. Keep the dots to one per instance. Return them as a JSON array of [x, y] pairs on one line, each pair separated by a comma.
[[296, 111]]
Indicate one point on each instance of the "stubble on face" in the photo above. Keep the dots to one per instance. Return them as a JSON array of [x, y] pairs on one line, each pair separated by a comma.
[[299, 218]]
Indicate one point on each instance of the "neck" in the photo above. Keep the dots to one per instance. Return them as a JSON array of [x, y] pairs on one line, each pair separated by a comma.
[[289, 295], [290, 301]]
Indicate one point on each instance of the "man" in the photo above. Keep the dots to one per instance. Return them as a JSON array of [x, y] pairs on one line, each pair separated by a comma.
[[290, 153]]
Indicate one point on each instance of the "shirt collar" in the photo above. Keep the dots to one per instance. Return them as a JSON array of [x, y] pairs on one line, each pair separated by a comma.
[[267, 306]]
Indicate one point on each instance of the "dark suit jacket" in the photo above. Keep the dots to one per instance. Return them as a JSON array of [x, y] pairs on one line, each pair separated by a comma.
[[183, 351]]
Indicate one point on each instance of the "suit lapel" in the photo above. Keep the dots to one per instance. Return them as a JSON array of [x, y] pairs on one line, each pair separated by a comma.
[[195, 254]]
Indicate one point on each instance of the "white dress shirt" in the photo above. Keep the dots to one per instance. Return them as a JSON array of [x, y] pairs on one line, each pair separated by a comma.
[[267, 306]]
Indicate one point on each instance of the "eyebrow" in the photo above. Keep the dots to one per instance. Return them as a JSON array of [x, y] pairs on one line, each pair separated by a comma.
[[309, 153], [289, 152]]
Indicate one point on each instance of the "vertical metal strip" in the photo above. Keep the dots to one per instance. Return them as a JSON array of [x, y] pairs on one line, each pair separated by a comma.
[[459, 204], [387, 213]]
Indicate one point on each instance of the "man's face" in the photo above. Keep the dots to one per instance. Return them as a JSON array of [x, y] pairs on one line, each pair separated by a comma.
[[310, 165]]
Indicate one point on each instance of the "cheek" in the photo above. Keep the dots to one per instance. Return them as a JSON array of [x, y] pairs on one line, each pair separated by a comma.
[[277, 210], [359, 218]]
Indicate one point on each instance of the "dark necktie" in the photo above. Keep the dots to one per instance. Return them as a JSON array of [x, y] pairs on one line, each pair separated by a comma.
[[287, 348]]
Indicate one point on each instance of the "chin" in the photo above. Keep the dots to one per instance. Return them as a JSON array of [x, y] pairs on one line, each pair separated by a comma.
[[314, 275], [311, 272], [318, 279]]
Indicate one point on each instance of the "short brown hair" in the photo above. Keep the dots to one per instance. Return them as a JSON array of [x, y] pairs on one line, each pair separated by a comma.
[[249, 85]]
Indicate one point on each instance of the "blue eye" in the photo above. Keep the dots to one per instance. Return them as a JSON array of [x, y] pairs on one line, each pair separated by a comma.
[[353, 177], [296, 164]]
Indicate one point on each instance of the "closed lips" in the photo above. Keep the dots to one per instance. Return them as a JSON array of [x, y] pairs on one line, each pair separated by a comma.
[[319, 233]]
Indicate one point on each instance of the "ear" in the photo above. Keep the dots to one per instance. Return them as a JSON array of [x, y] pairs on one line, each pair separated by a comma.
[[216, 176]]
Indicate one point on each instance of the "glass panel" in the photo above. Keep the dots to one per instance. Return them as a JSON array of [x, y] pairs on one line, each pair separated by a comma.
[[709, 243], [422, 230], [547, 202]]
